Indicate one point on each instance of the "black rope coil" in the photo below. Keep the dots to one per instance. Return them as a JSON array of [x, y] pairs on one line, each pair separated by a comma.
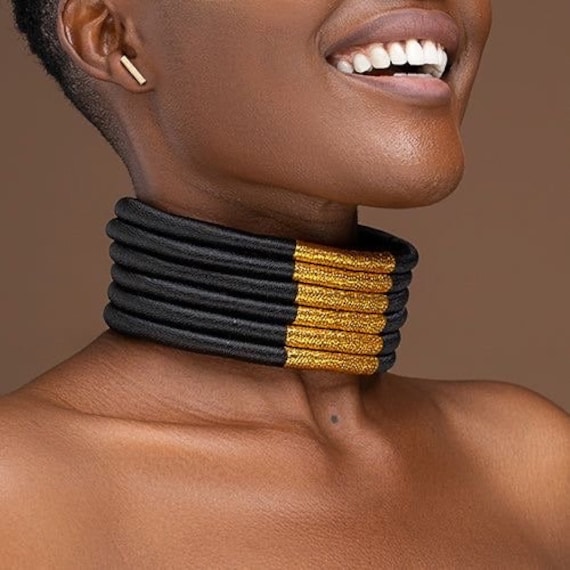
[[202, 287]]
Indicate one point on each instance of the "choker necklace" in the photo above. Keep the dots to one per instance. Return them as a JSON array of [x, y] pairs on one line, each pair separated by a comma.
[[206, 288]]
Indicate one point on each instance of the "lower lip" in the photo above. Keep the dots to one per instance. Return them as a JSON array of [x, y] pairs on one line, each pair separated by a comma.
[[415, 90]]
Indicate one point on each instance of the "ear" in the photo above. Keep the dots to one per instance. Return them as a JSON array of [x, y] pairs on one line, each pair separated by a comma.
[[95, 35]]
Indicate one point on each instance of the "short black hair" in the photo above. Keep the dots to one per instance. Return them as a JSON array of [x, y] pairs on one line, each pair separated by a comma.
[[36, 20]]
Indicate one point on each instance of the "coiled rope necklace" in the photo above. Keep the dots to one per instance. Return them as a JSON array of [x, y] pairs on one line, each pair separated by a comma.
[[202, 287]]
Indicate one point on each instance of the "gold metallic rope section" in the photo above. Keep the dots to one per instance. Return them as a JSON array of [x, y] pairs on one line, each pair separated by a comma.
[[346, 363], [340, 320], [334, 341], [327, 298], [341, 278], [372, 262]]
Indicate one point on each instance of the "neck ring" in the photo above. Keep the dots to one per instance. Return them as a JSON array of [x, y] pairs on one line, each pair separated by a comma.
[[202, 287]]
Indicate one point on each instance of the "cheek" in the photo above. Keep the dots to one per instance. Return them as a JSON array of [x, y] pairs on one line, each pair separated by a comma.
[[230, 73], [476, 18], [484, 15]]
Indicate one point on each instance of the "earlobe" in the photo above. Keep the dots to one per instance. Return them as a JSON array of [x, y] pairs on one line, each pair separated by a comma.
[[95, 37]]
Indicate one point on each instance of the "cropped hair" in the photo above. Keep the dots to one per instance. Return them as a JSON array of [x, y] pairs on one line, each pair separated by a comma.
[[36, 20]]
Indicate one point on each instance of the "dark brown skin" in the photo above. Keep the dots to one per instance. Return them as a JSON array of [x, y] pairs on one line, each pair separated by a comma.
[[134, 455]]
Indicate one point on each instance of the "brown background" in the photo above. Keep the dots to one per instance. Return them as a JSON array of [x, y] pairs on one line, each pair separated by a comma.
[[490, 300]]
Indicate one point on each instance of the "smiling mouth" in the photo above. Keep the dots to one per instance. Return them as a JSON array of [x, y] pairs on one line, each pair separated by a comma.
[[410, 58]]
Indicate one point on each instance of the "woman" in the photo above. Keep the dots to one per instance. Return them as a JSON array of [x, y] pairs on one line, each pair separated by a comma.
[[239, 413]]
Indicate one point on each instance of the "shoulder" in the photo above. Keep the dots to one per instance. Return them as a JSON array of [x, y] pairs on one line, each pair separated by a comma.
[[488, 395], [31, 471], [497, 409], [38, 436], [25, 450], [507, 424], [514, 424], [521, 442]]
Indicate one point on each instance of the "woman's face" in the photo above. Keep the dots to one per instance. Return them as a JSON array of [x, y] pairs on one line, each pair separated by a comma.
[[248, 89]]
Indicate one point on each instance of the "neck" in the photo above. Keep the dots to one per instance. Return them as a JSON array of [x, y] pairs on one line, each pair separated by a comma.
[[246, 206], [154, 383], [233, 322], [147, 382]]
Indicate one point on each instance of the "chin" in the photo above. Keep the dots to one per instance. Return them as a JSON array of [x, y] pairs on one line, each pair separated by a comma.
[[415, 191], [420, 179]]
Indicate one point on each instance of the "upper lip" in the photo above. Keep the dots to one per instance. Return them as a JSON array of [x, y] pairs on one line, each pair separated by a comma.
[[401, 25]]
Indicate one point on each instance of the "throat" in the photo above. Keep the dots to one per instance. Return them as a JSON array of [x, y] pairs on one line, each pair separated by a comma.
[[336, 405], [152, 384]]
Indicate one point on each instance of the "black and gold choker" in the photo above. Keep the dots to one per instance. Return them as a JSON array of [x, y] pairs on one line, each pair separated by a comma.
[[206, 288]]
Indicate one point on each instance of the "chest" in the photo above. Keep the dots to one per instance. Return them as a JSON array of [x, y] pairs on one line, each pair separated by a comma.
[[245, 503], [243, 528]]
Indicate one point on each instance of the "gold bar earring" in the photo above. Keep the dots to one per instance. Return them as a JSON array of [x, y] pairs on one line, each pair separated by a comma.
[[133, 70]]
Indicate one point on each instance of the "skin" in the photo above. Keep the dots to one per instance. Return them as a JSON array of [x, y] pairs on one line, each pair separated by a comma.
[[135, 455]]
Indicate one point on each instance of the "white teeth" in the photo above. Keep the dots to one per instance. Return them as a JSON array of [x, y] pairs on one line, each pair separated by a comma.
[[439, 68], [431, 52], [380, 58], [361, 63], [443, 60], [415, 53], [421, 75], [397, 53], [429, 57], [345, 66]]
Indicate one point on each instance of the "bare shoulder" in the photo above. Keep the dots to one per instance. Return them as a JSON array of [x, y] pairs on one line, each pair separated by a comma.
[[521, 442], [22, 437], [511, 401], [514, 424], [506, 423], [494, 410], [31, 472]]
